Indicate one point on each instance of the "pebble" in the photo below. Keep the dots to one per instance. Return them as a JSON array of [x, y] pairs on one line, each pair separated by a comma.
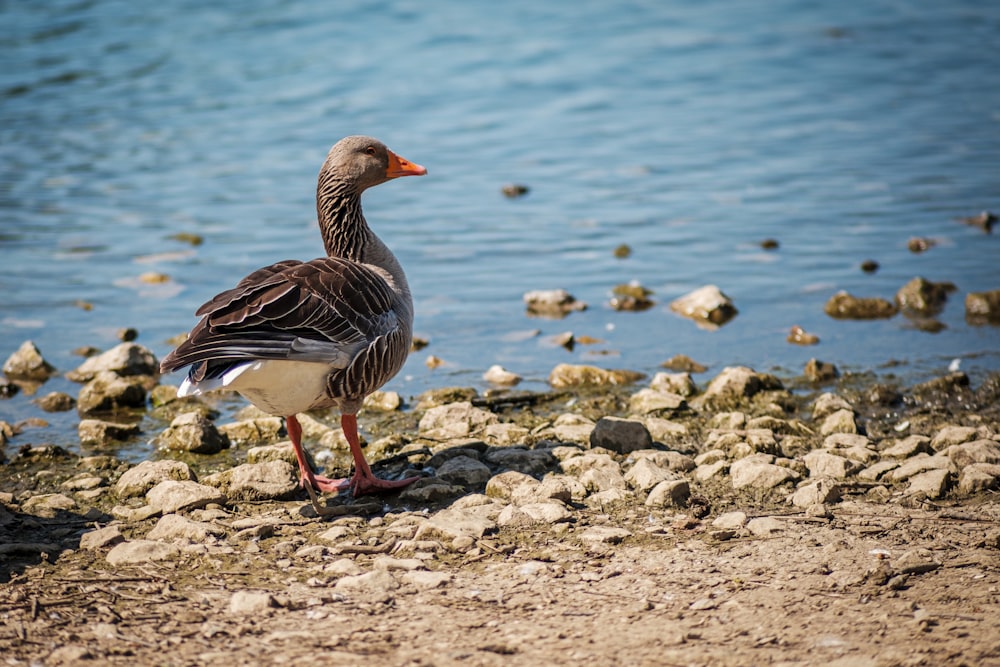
[[138, 552], [758, 472], [706, 305], [983, 307], [48, 504], [252, 431], [765, 526], [452, 523], [171, 496], [552, 303], [819, 492], [570, 427], [730, 521], [604, 535], [101, 538], [799, 336], [251, 602], [645, 474], [498, 375], [464, 471], [138, 480], [932, 484], [977, 451], [56, 401], [174, 526], [454, 420], [653, 401], [824, 464], [669, 493]]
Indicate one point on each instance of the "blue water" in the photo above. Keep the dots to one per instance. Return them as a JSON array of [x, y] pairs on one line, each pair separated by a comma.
[[688, 130]]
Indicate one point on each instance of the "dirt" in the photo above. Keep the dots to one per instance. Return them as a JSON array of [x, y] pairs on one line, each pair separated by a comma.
[[907, 581]]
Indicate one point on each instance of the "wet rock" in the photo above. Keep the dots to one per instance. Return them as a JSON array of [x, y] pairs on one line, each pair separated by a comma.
[[706, 305], [454, 420], [983, 220], [918, 244], [97, 433], [498, 375], [620, 435], [824, 464], [176, 527], [799, 336], [552, 303], [977, 451], [108, 392], [101, 538], [193, 432], [819, 492], [252, 431], [571, 375], [820, 371], [923, 297], [669, 493], [244, 603], [125, 359], [27, 364], [171, 496], [682, 363], [270, 480], [139, 552], [983, 307], [514, 190], [947, 386], [869, 266], [844, 306], [759, 472], [734, 385], [85, 481], [464, 471], [144, 476], [631, 296], [56, 401], [7, 389], [571, 427]]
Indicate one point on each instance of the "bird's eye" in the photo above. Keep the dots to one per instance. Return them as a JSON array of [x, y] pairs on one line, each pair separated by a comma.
[[370, 150]]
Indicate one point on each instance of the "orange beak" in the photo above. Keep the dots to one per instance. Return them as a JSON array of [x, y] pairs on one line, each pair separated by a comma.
[[402, 167]]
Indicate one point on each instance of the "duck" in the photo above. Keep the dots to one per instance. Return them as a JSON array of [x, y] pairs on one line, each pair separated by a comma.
[[298, 335]]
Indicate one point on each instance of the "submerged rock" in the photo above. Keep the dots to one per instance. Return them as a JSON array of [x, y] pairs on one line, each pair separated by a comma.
[[923, 297], [552, 303], [97, 433], [27, 364], [984, 220], [193, 432], [983, 307], [706, 305], [847, 307], [799, 336], [108, 392]]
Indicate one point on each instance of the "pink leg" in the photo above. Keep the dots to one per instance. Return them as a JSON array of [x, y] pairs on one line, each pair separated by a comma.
[[363, 481], [308, 478]]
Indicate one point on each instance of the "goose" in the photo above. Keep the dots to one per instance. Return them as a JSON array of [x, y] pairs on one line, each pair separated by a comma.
[[297, 336]]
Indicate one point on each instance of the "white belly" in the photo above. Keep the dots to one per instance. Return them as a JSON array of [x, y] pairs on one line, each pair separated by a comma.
[[280, 388]]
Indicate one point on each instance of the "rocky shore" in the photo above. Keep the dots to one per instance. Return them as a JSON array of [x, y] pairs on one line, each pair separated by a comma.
[[616, 519]]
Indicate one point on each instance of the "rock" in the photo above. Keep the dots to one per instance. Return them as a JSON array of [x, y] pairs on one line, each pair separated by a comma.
[[138, 552], [533, 513], [464, 471], [193, 432], [946, 386], [505, 434], [454, 420], [251, 602], [706, 305], [922, 297], [645, 474], [107, 392], [451, 523], [981, 307], [820, 371], [377, 583], [101, 538], [123, 360], [604, 535], [426, 580], [734, 385], [952, 435], [758, 472], [707, 471], [918, 464], [504, 485], [799, 336], [674, 383], [252, 431], [530, 461], [144, 476], [383, 401], [844, 306], [827, 404], [825, 464], [975, 479], [7, 390], [765, 526], [667, 432], [932, 484], [820, 492], [552, 303], [514, 190], [730, 521], [570, 427], [915, 561], [620, 435], [171, 496], [174, 526], [669, 493], [907, 447], [56, 401], [841, 421], [570, 375], [650, 401], [498, 375], [27, 364], [269, 480], [97, 433], [48, 504], [977, 451], [875, 472], [85, 481], [683, 363], [984, 220]]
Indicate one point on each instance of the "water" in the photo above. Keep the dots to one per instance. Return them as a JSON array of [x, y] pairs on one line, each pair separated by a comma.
[[690, 131]]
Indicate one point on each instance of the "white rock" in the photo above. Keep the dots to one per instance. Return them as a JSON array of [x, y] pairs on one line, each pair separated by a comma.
[[497, 374], [140, 479], [141, 551], [174, 526], [669, 493], [170, 496], [758, 473], [250, 602], [730, 521]]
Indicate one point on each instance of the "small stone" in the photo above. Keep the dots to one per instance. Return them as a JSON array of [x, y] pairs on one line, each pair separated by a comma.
[[734, 385], [984, 220], [730, 521], [869, 266], [645, 474], [101, 538], [932, 484], [684, 363], [426, 580], [827, 404], [841, 421], [570, 427], [977, 451], [98, 433], [498, 375], [799, 336], [514, 190], [56, 401], [923, 297], [918, 244], [915, 561], [907, 447], [669, 493], [820, 371], [652, 401], [250, 602], [138, 552], [377, 583], [27, 364], [604, 535], [620, 435], [171, 496], [193, 432], [454, 420], [123, 360], [252, 431], [765, 526], [759, 473], [918, 464], [108, 391], [464, 471], [552, 303], [269, 480], [983, 307], [706, 305], [174, 526], [953, 435], [383, 401], [48, 504], [974, 480], [819, 492], [452, 523], [825, 464]]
